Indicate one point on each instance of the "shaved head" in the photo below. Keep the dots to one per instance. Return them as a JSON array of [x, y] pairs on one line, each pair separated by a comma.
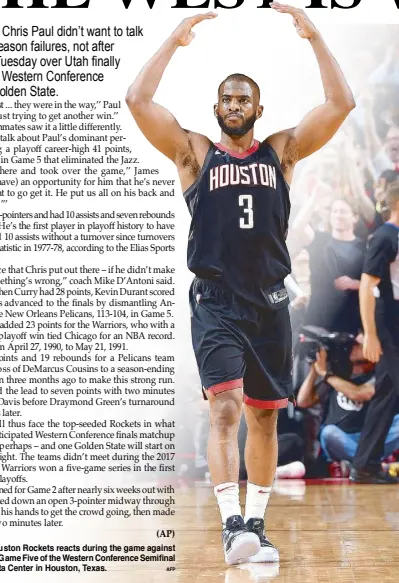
[[241, 78]]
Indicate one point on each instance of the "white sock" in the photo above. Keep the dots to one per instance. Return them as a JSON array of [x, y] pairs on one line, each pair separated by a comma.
[[256, 501], [227, 495]]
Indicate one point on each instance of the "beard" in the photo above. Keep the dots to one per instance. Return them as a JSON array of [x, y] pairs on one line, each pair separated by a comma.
[[241, 131]]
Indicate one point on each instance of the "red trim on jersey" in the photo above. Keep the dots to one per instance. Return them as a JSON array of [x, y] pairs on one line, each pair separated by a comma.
[[226, 386], [278, 404], [251, 150]]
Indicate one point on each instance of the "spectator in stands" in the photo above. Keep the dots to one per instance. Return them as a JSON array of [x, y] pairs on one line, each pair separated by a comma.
[[382, 150], [335, 263]]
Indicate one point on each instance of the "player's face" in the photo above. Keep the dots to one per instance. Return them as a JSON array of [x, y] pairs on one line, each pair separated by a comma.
[[238, 108], [342, 217]]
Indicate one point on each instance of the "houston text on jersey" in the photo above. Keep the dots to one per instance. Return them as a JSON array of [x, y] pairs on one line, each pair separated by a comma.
[[232, 174]]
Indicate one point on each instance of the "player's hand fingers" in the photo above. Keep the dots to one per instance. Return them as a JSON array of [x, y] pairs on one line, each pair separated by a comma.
[[296, 23], [372, 353], [200, 17], [286, 8], [366, 352]]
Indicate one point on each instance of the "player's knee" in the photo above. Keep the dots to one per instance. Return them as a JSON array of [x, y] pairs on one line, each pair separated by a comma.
[[265, 420], [225, 413]]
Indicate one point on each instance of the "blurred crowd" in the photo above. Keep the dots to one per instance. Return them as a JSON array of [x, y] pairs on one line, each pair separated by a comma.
[[338, 200]]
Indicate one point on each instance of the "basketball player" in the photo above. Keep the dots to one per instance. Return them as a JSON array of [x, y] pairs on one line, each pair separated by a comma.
[[238, 195]]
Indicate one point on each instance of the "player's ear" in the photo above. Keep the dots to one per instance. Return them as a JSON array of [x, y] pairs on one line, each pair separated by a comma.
[[215, 110], [259, 111]]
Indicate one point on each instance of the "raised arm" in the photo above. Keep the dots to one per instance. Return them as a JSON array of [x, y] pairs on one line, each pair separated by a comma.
[[157, 123], [320, 124]]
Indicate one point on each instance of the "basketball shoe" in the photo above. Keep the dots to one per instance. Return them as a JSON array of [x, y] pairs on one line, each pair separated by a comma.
[[268, 552], [375, 476], [239, 544]]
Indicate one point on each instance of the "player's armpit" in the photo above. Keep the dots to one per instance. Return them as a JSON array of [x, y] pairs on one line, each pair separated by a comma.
[[318, 127], [285, 145]]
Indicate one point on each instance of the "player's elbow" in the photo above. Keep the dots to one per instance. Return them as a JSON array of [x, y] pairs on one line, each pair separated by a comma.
[[135, 100], [350, 103], [340, 106], [345, 104], [132, 98]]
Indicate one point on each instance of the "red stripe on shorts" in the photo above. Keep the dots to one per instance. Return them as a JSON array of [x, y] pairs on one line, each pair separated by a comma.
[[278, 404], [226, 386]]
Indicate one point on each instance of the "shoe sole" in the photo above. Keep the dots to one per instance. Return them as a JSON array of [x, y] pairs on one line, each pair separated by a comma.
[[247, 545], [265, 555], [372, 481]]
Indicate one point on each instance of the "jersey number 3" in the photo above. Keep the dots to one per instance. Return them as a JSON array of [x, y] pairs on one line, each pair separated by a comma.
[[247, 221]]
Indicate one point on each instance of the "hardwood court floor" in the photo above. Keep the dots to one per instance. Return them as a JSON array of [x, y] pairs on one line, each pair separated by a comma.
[[326, 532]]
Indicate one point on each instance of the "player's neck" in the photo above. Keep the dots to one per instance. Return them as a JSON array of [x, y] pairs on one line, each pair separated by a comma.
[[238, 143]]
